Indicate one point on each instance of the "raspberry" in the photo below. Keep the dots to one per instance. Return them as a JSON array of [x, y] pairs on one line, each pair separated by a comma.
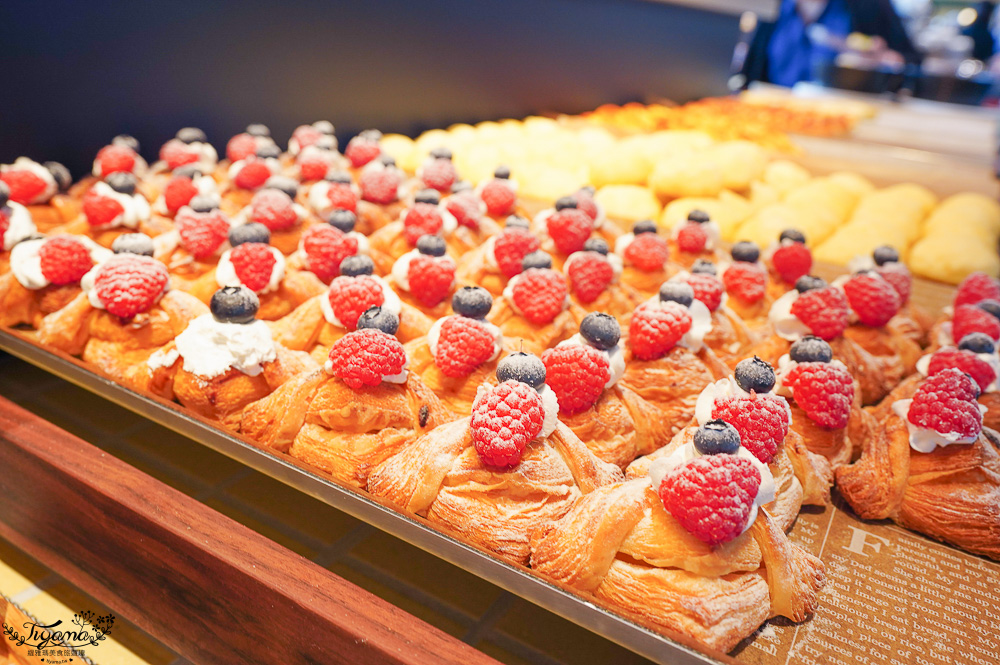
[[312, 167], [365, 357], [945, 403], [746, 281], [578, 374], [420, 220], [202, 233], [970, 319], [823, 310], [589, 274], [540, 294], [569, 229], [115, 159], [129, 284], [325, 247], [380, 186], [439, 174], [824, 391], [965, 361], [240, 147], [511, 246], [253, 174], [899, 276], [463, 344], [306, 135], [711, 496], [692, 238], [342, 197], [431, 278], [872, 298], [351, 296], [656, 328], [977, 286], [25, 186], [361, 151], [464, 206], [707, 288], [791, 261], [254, 263], [585, 203], [179, 192], [504, 420], [64, 260], [176, 153], [101, 210], [761, 420], [647, 252], [274, 209], [499, 198]]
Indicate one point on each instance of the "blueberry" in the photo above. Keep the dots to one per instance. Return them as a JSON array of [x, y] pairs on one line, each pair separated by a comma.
[[121, 182], [203, 203], [704, 267], [61, 174], [379, 319], [599, 245], [127, 141], [252, 232], [977, 342], [975, 386], [269, 151], [699, 217], [441, 153], [589, 190], [340, 177], [601, 330], [431, 196], [990, 306], [717, 437], [191, 135], [31, 236], [792, 234], [133, 243], [387, 160], [188, 171], [644, 226], [518, 222], [536, 259], [283, 183], [474, 302], [811, 349], [565, 202], [885, 254], [234, 304], [461, 186], [323, 126], [372, 135], [258, 129], [679, 292], [4, 193], [502, 172], [745, 251], [754, 374], [522, 367], [808, 283], [342, 219], [358, 264], [431, 245]]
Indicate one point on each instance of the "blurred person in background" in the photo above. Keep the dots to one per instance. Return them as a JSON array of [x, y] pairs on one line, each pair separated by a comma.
[[809, 35]]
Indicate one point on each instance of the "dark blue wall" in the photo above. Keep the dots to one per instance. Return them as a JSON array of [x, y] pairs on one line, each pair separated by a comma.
[[76, 72]]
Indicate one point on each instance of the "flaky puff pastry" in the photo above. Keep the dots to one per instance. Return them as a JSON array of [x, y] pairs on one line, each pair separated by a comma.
[[619, 300], [730, 339], [295, 288], [536, 338], [474, 270], [892, 346], [373, 216], [21, 306], [154, 226], [881, 412], [950, 494], [442, 478], [346, 433], [645, 282], [457, 393], [386, 246], [60, 210], [753, 315], [620, 544]]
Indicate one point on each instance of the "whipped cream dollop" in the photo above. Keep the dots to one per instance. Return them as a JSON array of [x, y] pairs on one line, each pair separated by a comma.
[[659, 469], [508, 294], [205, 184], [701, 323], [386, 378], [991, 359], [244, 215], [616, 263], [135, 208], [861, 262], [88, 282], [210, 348], [490, 254], [326, 141], [138, 169], [272, 163], [26, 264], [728, 388], [615, 356], [448, 221], [19, 224], [435, 333], [390, 303], [787, 325], [622, 242], [711, 229], [925, 439], [225, 272], [28, 164], [319, 195]]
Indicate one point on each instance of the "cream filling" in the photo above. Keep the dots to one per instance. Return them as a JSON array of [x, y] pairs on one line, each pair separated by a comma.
[[787, 325], [210, 348], [925, 439], [225, 272], [26, 264], [135, 208], [19, 225]]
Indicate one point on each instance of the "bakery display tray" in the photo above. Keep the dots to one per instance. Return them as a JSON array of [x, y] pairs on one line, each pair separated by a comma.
[[358, 503]]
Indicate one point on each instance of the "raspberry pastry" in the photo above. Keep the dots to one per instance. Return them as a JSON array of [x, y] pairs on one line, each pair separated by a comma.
[[425, 277], [322, 320], [746, 285], [690, 548], [193, 248], [966, 316], [536, 309], [245, 176], [498, 259], [594, 278], [563, 230], [248, 143], [912, 319], [346, 418], [438, 171], [15, 225], [932, 467], [728, 337], [189, 147], [185, 186], [114, 207], [460, 352], [584, 372], [335, 192], [363, 149], [499, 194], [41, 189], [425, 217], [313, 164], [696, 238], [501, 476], [474, 227], [323, 247], [319, 135], [221, 361], [645, 255], [45, 276], [275, 207], [120, 156], [786, 262], [380, 183]]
